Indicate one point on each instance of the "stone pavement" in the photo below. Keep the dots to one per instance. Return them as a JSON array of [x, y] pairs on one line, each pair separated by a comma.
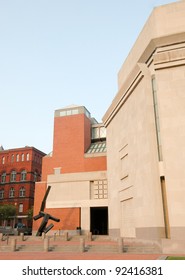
[[75, 256]]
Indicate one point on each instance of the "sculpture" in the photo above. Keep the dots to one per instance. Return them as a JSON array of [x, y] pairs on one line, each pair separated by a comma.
[[46, 217]]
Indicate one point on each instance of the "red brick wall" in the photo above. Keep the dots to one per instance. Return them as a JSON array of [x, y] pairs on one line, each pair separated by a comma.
[[72, 138], [69, 217], [31, 164]]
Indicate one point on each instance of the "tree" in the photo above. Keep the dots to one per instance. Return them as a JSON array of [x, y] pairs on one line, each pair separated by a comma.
[[30, 213], [30, 217], [7, 211]]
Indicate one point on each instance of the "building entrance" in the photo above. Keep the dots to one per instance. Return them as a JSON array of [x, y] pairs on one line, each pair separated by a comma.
[[99, 220]]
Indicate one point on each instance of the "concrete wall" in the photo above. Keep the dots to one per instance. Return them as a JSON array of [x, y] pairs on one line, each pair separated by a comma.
[[136, 206]]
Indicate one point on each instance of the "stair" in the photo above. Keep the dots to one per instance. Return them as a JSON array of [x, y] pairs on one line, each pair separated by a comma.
[[98, 244]]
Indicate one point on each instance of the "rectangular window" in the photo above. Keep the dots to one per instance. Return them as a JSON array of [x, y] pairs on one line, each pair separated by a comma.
[[99, 189], [20, 207], [1, 194], [3, 178]]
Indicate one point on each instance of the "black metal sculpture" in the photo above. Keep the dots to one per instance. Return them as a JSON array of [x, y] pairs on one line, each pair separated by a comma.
[[46, 217]]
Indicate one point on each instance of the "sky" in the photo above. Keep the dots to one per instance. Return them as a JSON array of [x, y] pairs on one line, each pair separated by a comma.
[[54, 53]]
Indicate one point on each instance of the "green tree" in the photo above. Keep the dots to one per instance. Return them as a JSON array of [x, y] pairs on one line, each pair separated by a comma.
[[7, 211], [30, 213]]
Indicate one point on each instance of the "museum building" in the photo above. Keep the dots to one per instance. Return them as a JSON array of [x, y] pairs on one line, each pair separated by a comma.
[[76, 172], [145, 127], [131, 182]]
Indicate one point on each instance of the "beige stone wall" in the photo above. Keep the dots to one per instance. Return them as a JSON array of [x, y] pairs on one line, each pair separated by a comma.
[[164, 21], [136, 207], [77, 190], [171, 96], [133, 172]]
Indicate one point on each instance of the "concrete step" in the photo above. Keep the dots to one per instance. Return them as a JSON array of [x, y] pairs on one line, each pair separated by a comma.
[[141, 249], [102, 244], [102, 248]]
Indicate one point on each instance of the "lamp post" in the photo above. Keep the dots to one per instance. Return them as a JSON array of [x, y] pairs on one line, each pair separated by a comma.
[[14, 221]]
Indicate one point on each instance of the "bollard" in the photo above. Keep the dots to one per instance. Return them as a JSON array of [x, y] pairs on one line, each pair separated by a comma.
[[13, 245], [120, 245], [22, 236], [46, 244], [82, 245], [66, 236], [89, 236], [1, 236], [7, 239]]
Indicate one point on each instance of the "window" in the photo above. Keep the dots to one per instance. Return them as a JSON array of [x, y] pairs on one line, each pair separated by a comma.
[[98, 132], [3, 160], [23, 175], [99, 147], [35, 176], [27, 157], [12, 158], [11, 192], [22, 192], [22, 157], [20, 207], [1, 194], [13, 176], [17, 158], [69, 112], [99, 189], [3, 178]]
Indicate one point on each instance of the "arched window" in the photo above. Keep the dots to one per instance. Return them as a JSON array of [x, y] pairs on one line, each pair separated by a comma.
[[22, 192], [12, 192], [27, 156], [3, 177], [13, 176], [17, 157], [3, 160], [1, 194], [22, 157], [23, 175], [12, 158]]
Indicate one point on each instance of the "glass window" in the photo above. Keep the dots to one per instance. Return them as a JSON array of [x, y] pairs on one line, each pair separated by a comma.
[[3, 178], [13, 176], [12, 192], [27, 156], [12, 158], [97, 148], [1, 194], [99, 189], [3, 160], [22, 192], [22, 157], [102, 132], [17, 158], [23, 175], [20, 207], [35, 176]]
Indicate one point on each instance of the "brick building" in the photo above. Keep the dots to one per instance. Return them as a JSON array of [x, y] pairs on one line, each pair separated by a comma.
[[20, 168], [76, 172]]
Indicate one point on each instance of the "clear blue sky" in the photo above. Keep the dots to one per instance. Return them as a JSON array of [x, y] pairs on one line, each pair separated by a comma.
[[54, 53]]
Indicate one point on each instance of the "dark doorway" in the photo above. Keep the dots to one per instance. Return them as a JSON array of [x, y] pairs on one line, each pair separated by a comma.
[[99, 220]]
